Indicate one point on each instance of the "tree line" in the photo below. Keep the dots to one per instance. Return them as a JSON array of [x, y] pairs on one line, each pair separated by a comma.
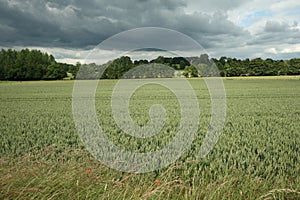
[[201, 66], [32, 65], [257, 67], [119, 67], [36, 65]]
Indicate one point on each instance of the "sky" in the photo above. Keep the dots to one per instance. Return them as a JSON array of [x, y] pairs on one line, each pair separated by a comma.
[[71, 29]]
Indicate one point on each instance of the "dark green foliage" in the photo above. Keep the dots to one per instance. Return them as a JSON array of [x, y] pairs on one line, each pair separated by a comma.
[[35, 65], [31, 65], [118, 68], [190, 71], [54, 71], [178, 63], [257, 67], [229, 67]]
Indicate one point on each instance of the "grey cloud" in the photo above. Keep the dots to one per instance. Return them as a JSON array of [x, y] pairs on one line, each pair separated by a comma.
[[274, 26], [75, 23], [277, 33], [51, 24], [215, 5], [213, 31], [27, 25]]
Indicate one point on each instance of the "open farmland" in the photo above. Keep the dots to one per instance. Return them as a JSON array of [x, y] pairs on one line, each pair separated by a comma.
[[256, 157]]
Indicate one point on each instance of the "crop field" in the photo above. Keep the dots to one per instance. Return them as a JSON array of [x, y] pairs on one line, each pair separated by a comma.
[[256, 157]]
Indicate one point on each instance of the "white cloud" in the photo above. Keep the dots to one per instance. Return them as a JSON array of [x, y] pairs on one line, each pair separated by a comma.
[[271, 50], [286, 6], [291, 49], [209, 6]]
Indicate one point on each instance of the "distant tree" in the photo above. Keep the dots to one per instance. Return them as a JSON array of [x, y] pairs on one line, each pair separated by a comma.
[[204, 59], [118, 68], [294, 66], [35, 65], [190, 71], [223, 60], [227, 70], [140, 62], [54, 72]]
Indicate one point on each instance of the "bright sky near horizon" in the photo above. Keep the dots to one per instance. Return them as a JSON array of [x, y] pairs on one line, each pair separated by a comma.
[[69, 29]]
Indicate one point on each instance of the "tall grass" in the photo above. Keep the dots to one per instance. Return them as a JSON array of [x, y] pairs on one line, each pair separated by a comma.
[[257, 156]]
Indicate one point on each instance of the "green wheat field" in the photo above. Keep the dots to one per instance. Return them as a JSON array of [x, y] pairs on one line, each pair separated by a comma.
[[257, 155]]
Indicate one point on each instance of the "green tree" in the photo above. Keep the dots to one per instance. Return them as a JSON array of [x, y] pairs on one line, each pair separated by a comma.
[[55, 71], [227, 70], [204, 59], [190, 71], [118, 68]]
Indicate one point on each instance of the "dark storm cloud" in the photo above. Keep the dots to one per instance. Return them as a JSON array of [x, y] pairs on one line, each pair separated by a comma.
[[16, 26], [74, 23], [34, 23], [73, 26], [49, 24]]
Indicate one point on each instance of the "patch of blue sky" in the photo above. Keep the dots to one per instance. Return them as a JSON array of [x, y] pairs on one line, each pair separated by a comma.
[[294, 12], [248, 20]]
